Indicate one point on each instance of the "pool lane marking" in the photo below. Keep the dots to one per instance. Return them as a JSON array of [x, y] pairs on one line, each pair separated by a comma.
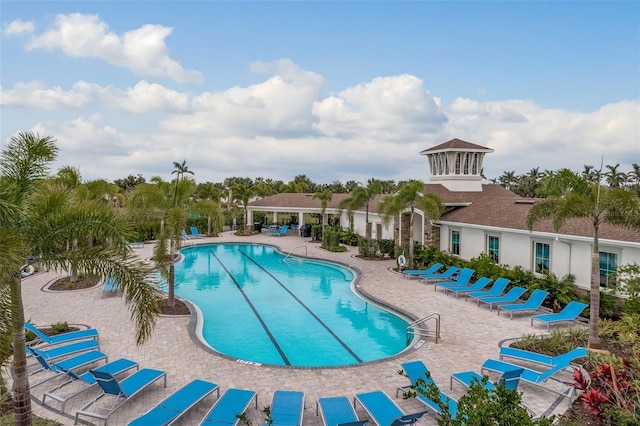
[[329, 330], [255, 311]]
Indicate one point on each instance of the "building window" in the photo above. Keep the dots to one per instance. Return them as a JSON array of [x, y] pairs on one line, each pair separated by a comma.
[[457, 165], [466, 164], [542, 251], [608, 267], [474, 165], [493, 248], [446, 165], [455, 242]]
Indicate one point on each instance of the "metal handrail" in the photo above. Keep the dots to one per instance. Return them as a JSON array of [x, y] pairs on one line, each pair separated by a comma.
[[294, 249], [412, 331]]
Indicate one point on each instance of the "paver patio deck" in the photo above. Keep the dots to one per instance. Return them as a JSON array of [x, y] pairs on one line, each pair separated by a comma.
[[469, 335]]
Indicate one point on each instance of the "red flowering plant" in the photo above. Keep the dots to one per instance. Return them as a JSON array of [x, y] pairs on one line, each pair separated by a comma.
[[612, 390]]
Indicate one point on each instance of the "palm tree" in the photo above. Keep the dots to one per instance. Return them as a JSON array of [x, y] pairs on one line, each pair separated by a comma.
[[615, 178], [360, 197], [324, 196], [410, 197], [243, 194], [25, 232], [572, 196], [180, 169], [634, 173], [292, 187], [508, 180]]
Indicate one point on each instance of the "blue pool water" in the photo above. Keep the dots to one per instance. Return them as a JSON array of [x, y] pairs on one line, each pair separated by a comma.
[[301, 312]]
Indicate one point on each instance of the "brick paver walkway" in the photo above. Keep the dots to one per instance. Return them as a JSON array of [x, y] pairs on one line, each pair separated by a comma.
[[469, 336]]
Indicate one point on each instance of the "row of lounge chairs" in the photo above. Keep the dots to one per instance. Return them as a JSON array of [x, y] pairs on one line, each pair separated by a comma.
[[458, 282], [287, 407]]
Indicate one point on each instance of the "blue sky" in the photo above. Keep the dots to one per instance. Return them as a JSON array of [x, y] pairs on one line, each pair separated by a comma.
[[333, 90]]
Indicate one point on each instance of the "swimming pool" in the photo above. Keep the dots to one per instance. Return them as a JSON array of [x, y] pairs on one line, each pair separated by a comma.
[[258, 308]]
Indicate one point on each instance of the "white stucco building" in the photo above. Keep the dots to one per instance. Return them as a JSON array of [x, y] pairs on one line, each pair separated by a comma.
[[480, 218]]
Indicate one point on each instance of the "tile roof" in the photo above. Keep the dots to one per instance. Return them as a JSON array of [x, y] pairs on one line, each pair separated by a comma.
[[495, 206]]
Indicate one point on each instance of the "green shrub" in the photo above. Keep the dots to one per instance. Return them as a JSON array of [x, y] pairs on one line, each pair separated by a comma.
[[350, 237], [560, 340], [484, 266], [386, 246], [367, 248], [60, 327], [561, 291], [331, 238], [628, 283], [479, 406], [316, 232]]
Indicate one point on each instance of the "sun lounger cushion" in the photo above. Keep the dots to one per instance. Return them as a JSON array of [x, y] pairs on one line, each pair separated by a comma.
[[177, 404], [231, 404]]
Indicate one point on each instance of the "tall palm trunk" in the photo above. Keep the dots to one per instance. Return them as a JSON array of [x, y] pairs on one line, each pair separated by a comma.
[[171, 301], [21, 391], [594, 296], [209, 225], [410, 266], [74, 265]]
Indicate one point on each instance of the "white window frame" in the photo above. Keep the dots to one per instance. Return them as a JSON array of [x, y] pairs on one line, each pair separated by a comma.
[[488, 237], [535, 255], [451, 241]]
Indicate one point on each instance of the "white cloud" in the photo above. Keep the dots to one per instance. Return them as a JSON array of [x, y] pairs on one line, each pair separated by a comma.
[[141, 98], [281, 105], [282, 127], [388, 108], [143, 51], [35, 94], [18, 28], [524, 135]]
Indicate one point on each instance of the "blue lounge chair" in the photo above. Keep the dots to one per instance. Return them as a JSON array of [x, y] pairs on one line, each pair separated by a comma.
[[568, 313], [431, 270], [417, 370], [530, 376], [477, 286], [68, 364], [287, 408], [50, 354], [227, 408], [123, 390], [495, 290], [177, 404], [538, 358], [282, 231], [196, 234], [383, 410], [338, 411], [111, 285], [448, 274], [90, 333], [186, 236], [533, 303], [463, 278], [86, 379], [510, 296], [509, 379], [136, 244]]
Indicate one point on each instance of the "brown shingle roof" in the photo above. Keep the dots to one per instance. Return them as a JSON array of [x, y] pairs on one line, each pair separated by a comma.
[[456, 144], [495, 206], [297, 200], [501, 208]]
